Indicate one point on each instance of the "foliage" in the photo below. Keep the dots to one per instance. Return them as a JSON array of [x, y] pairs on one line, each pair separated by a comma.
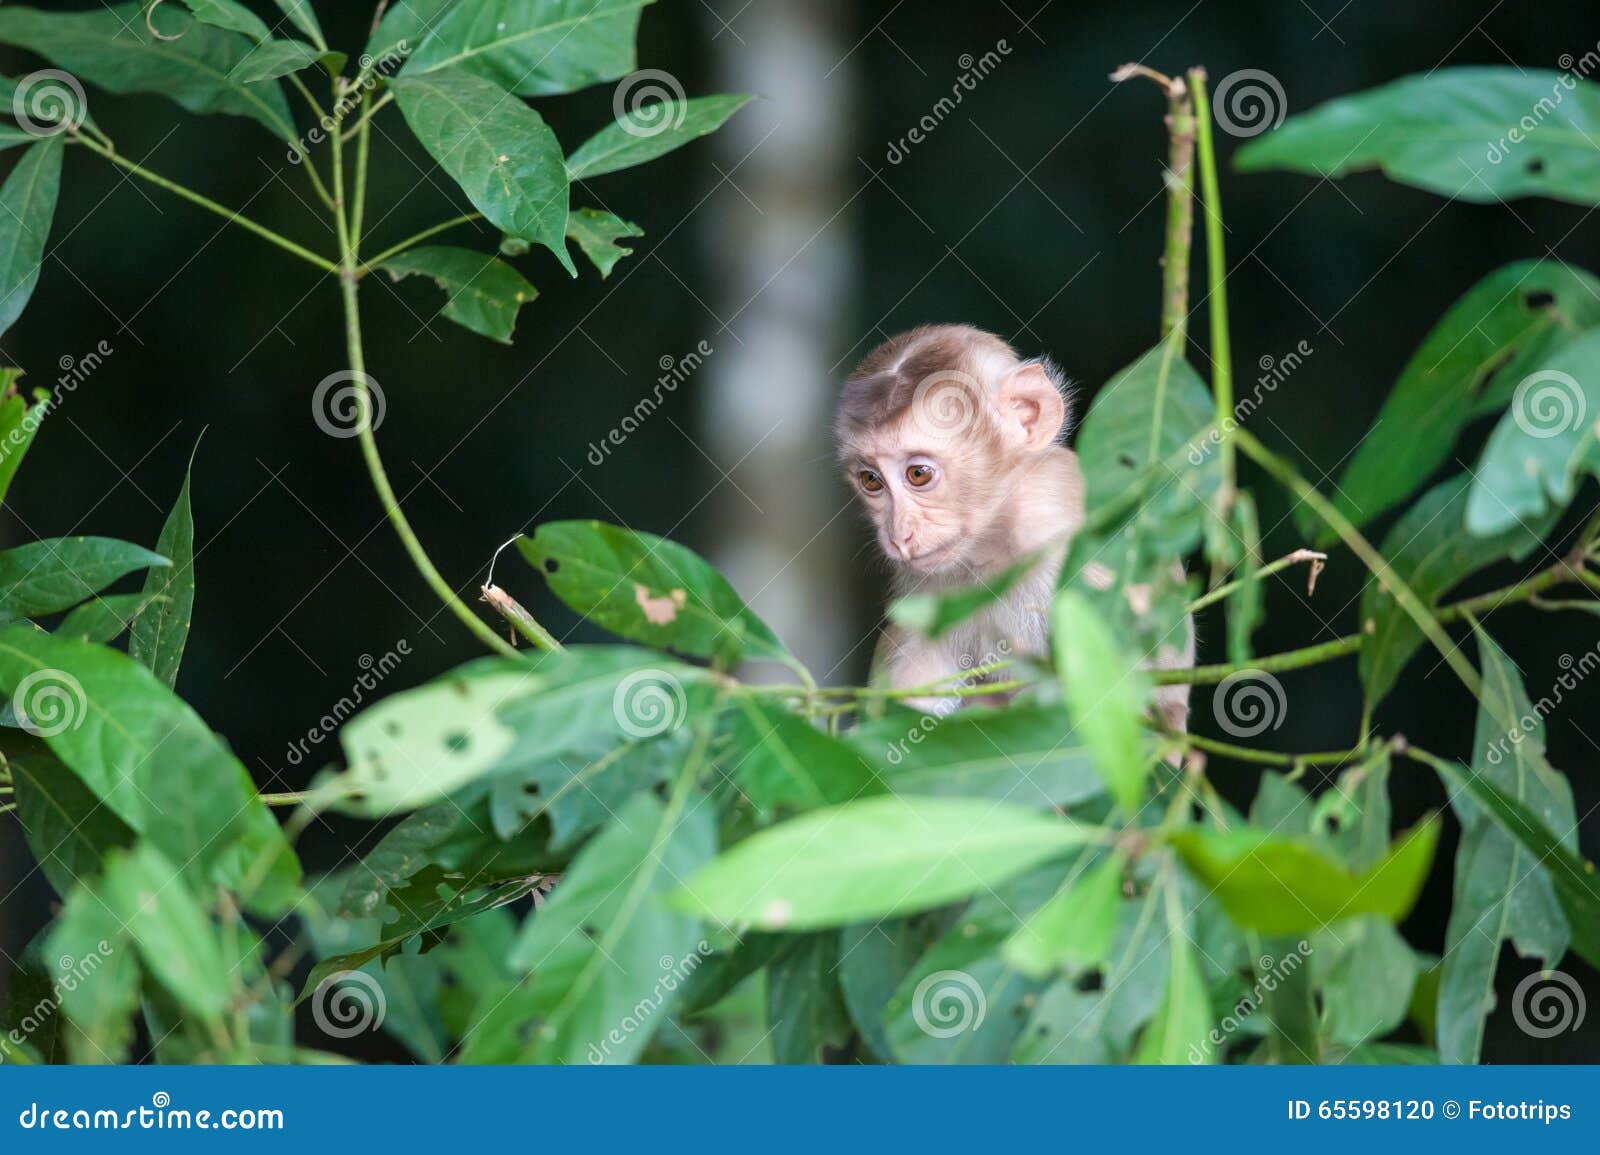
[[1053, 881]]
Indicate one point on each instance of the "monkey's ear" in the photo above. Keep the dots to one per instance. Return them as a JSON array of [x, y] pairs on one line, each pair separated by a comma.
[[1032, 410]]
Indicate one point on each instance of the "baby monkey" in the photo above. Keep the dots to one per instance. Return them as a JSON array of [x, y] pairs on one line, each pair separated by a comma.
[[952, 443]]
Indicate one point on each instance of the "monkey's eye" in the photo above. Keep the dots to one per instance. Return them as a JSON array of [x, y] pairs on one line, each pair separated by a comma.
[[870, 481], [919, 475]]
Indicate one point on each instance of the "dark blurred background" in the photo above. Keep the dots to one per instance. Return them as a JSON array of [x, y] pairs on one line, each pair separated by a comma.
[[789, 243]]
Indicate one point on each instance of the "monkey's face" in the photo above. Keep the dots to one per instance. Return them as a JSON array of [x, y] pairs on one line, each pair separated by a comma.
[[928, 494]]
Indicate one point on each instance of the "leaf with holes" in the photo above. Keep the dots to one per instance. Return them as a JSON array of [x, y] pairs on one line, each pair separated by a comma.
[[1467, 366], [598, 234], [500, 151], [482, 292], [1449, 131], [648, 589]]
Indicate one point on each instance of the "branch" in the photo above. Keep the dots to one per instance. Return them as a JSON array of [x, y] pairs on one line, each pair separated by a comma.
[[1316, 559]]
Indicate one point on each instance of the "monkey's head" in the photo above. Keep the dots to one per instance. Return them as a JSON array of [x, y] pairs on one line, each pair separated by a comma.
[[936, 429]]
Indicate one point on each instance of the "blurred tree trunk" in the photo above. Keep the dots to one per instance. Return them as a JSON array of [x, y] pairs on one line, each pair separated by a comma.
[[784, 257]]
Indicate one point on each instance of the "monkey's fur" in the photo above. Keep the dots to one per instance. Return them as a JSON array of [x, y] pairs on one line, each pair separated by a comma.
[[953, 444]]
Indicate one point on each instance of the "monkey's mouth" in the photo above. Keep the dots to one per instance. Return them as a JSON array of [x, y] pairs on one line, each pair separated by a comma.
[[920, 560]]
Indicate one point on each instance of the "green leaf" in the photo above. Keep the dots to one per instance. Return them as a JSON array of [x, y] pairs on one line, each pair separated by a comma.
[[648, 589], [110, 46], [100, 1004], [65, 826], [303, 17], [1501, 890], [27, 208], [1432, 551], [229, 14], [274, 59], [1543, 444], [1024, 754], [158, 637], [1106, 694], [1146, 436], [1182, 1024], [1452, 131], [104, 618], [1366, 972], [151, 760], [648, 130], [1286, 886], [1577, 888], [1075, 928], [605, 948], [1467, 366], [534, 47], [19, 422], [874, 959], [935, 614], [783, 762], [875, 858], [45, 577], [598, 234], [499, 716], [407, 22], [482, 293], [500, 151], [805, 1002], [1289, 1000], [963, 1002]]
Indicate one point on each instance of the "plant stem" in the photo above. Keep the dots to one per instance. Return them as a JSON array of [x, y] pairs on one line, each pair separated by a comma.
[[1374, 561], [1217, 294], [1267, 757], [1180, 212], [367, 266], [348, 289], [232, 216], [1525, 590], [1268, 570]]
